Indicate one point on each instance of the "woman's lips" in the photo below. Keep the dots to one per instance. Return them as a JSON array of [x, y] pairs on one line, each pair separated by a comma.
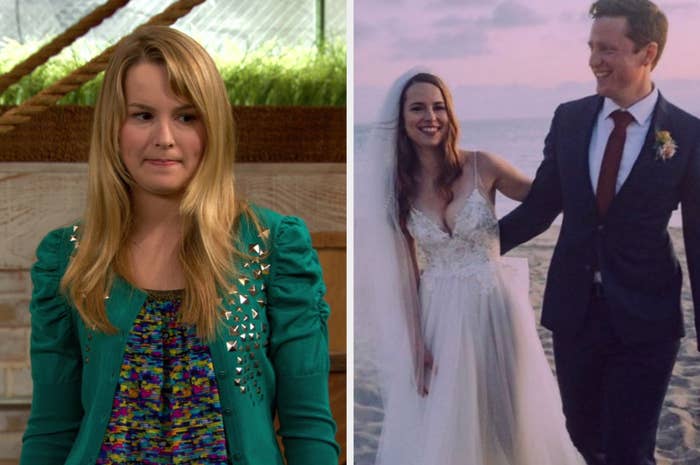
[[161, 161], [429, 130]]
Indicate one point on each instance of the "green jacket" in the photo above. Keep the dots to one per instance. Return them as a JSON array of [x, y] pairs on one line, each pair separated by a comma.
[[278, 364]]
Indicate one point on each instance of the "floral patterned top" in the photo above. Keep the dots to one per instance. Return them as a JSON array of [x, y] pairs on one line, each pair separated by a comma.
[[166, 409]]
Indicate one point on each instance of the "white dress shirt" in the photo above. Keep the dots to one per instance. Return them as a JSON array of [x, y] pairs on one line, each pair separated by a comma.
[[636, 134]]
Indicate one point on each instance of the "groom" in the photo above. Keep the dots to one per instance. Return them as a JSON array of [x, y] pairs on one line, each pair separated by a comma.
[[616, 164]]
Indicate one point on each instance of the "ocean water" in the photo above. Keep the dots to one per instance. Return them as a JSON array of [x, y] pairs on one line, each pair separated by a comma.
[[520, 141]]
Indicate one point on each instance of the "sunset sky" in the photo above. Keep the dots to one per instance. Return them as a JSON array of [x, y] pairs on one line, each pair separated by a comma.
[[505, 58]]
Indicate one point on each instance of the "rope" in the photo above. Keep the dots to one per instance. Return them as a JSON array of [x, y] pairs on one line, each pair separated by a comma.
[[66, 38], [47, 97]]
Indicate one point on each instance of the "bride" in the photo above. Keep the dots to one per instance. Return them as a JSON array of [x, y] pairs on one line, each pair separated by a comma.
[[446, 321]]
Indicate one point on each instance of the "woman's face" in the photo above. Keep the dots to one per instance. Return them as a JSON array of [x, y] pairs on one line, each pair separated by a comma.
[[162, 139], [425, 115]]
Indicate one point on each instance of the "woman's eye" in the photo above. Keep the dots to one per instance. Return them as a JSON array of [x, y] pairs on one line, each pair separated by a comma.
[[142, 116], [187, 117]]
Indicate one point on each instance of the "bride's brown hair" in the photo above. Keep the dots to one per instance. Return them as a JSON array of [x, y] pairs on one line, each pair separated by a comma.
[[407, 165]]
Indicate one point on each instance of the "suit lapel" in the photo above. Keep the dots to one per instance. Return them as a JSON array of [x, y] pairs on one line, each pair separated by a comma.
[[582, 131], [645, 164]]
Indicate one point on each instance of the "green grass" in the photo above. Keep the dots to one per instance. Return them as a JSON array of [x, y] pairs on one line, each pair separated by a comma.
[[270, 75]]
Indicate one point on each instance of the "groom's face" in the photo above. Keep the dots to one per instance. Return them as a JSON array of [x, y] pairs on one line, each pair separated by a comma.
[[622, 72]]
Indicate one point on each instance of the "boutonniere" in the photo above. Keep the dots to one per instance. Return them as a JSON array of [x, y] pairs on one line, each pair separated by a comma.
[[665, 146]]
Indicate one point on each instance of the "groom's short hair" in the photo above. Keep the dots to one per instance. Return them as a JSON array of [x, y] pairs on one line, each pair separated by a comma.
[[646, 22]]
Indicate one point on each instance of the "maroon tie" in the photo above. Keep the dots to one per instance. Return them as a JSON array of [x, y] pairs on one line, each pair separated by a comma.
[[611, 160]]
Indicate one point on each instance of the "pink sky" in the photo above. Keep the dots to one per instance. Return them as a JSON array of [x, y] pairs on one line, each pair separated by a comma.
[[483, 44]]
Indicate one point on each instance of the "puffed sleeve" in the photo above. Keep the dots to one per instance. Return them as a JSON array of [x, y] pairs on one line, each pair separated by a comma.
[[56, 409], [299, 347]]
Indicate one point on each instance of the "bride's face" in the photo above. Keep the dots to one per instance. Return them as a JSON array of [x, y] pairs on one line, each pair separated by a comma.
[[425, 115]]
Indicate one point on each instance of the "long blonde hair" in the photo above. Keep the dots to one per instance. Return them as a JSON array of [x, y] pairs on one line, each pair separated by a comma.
[[210, 208]]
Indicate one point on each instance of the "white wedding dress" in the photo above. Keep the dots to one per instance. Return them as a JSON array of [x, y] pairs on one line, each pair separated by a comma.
[[492, 399]]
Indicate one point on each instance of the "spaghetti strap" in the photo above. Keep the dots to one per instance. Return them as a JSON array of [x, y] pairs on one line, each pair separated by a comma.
[[477, 178]]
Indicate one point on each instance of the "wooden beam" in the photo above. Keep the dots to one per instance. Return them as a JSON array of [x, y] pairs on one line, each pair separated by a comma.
[[263, 133]]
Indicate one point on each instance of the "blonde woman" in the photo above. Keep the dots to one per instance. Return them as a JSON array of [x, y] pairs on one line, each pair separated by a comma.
[[173, 321]]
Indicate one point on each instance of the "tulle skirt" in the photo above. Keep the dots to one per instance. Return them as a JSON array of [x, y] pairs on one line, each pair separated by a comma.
[[492, 398]]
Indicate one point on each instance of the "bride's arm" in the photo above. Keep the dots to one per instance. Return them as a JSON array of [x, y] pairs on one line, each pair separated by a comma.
[[498, 174]]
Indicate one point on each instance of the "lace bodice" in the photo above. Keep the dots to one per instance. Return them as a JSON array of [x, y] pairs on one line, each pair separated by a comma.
[[472, 247]]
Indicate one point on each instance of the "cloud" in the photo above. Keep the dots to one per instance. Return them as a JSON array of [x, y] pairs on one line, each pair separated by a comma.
[[370, 4], [457, 35], [514, 14], [452, 21], [681, 6], [505, 15], [574, 17], [365, 31], [445, 45], [456, 3]]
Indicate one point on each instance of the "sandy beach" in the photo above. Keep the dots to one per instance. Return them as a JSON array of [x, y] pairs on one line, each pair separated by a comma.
[[678, 440]]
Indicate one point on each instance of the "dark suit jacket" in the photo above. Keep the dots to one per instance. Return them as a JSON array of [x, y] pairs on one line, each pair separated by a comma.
[[630, 245]]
